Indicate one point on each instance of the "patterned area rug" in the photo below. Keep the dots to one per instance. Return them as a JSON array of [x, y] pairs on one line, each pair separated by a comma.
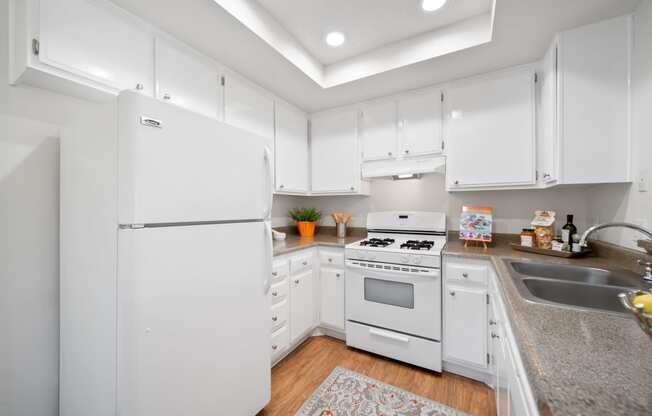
[[347, 393]]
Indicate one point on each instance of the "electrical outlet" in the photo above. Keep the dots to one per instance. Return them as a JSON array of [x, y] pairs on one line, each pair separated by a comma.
[[642, 181]]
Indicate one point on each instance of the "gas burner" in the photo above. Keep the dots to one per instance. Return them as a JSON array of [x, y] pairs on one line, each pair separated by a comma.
[[425, 245], [377, 242]]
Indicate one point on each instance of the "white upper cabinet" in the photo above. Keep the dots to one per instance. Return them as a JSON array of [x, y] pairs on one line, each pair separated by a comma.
[[378, 133], [95, 40], [594, 102], [547, 138], [419, 121], [248, 107], [334, 152], [490, 131], [187, 79], [291, 149]]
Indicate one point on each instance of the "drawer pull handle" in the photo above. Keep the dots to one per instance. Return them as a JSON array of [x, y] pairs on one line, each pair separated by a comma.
[[296, 281], [274, 347], [452, 293], [493, 335], [492, 322], [389, 335], [465, 275], [274, 318], [274, 293], [274, 274], [305, 263]]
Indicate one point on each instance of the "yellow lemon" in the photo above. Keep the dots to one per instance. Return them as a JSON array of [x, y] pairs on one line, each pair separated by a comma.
[[645, 300]]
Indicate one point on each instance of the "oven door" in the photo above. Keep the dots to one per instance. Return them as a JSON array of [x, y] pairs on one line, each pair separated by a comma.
[[401, 298]]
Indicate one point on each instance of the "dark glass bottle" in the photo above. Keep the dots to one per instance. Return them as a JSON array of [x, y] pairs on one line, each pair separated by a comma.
[[568, 231]]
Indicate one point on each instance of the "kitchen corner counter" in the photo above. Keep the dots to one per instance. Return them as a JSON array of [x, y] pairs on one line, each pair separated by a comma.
[[578, 362], [325, 236]]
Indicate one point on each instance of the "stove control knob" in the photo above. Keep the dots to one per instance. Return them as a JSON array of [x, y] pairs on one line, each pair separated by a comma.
[[416, 259]]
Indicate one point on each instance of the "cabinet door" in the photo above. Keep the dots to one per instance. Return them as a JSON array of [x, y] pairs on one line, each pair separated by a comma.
[[332, 297], [334, 152], [465, 326], [302, 304], [98, 41], [489, 129], [547, 148], [291, 149], [503, 373], [187, 80], [594, 64], [247, 107], [378, 130], [420, 123]]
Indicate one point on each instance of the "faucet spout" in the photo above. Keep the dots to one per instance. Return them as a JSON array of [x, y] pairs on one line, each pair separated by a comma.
[[631, 226]]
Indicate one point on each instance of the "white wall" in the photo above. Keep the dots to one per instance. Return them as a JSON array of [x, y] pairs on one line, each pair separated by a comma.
[[30, 120], [513, 210], [625, 202]]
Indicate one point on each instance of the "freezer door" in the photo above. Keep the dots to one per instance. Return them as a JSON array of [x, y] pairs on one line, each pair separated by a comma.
[[193, 320], [177, 166]]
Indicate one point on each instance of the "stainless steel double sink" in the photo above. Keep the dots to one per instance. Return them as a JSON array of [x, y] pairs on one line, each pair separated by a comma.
[[574, 286]]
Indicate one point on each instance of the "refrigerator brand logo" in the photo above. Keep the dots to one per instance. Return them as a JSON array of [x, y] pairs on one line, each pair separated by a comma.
[[150, 122]]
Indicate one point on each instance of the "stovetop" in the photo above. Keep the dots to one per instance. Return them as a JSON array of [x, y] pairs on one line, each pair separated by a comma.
[[425, 244]]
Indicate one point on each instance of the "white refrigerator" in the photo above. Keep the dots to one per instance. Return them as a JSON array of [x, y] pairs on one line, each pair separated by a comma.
[[183, 327]]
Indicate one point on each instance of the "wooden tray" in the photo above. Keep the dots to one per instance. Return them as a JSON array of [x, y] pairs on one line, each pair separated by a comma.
[[546, 252]]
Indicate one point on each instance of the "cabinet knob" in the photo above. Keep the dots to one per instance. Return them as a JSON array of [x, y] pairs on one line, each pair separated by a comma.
[[352, 188], [452, 293], [546, 175], [337, 275], [274, 293], [296, 281], [494, 335], [274, 318], [281, 186], [274, 274], [465, 275], [492, 322], [389, 153], [305, 263], [456, 182], [330, 260], [407, 151], [140, 87], [274, 347], [166, 96]]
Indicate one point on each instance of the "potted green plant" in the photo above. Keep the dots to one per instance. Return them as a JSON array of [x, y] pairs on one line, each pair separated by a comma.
[[305, 219]]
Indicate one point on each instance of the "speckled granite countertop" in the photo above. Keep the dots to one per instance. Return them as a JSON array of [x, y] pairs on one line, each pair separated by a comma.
[[578, 362], [324, 236]]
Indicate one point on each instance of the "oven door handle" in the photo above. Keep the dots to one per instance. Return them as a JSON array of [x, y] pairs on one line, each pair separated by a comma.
[[429, 273], [389, 335]]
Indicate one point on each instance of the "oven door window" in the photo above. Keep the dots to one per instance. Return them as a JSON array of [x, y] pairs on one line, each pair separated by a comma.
[[389, 292]]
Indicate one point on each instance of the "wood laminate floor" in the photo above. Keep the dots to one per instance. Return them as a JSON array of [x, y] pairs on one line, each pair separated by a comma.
[[300, 373]]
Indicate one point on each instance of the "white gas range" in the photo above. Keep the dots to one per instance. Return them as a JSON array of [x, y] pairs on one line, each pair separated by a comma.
[[393, 287]]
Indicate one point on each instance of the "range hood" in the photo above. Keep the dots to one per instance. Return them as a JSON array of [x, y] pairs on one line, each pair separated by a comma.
[[401, 167]]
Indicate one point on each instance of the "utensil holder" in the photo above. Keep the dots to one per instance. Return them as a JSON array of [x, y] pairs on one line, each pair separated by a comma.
[[341, 230]]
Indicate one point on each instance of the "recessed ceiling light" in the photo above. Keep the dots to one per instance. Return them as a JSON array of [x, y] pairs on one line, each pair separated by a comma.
[[432, 5], [335, 39]]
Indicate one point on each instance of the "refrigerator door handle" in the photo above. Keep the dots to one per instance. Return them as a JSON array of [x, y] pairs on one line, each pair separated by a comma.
[[270, 186], [269, 253]]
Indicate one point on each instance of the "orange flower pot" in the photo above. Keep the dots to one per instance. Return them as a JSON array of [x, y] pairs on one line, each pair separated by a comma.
[[306, 228]]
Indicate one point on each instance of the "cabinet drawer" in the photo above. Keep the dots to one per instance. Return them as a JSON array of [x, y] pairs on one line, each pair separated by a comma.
[[331, 258], [300, 263], [279, 292], [467, 273], [413, 350], [280, 270], [280, 314], [280, 341]]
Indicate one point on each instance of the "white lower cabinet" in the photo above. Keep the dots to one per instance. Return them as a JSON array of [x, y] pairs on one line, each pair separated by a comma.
[[302, 305], [478, 341], [332, 298]]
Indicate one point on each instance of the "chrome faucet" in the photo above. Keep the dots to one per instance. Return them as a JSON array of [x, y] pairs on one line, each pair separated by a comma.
[[647, 277]]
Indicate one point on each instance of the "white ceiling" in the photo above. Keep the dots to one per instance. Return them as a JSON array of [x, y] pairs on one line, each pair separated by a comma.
[[523, 30], [367, 24]]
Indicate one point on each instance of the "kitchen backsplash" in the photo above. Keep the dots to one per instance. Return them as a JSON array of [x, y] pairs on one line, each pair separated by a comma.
[[513, 210]]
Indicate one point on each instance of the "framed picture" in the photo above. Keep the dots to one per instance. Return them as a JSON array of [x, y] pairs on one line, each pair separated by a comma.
[[476, 223]]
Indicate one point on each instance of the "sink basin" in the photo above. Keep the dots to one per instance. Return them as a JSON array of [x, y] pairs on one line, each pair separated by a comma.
[[574, 286]]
